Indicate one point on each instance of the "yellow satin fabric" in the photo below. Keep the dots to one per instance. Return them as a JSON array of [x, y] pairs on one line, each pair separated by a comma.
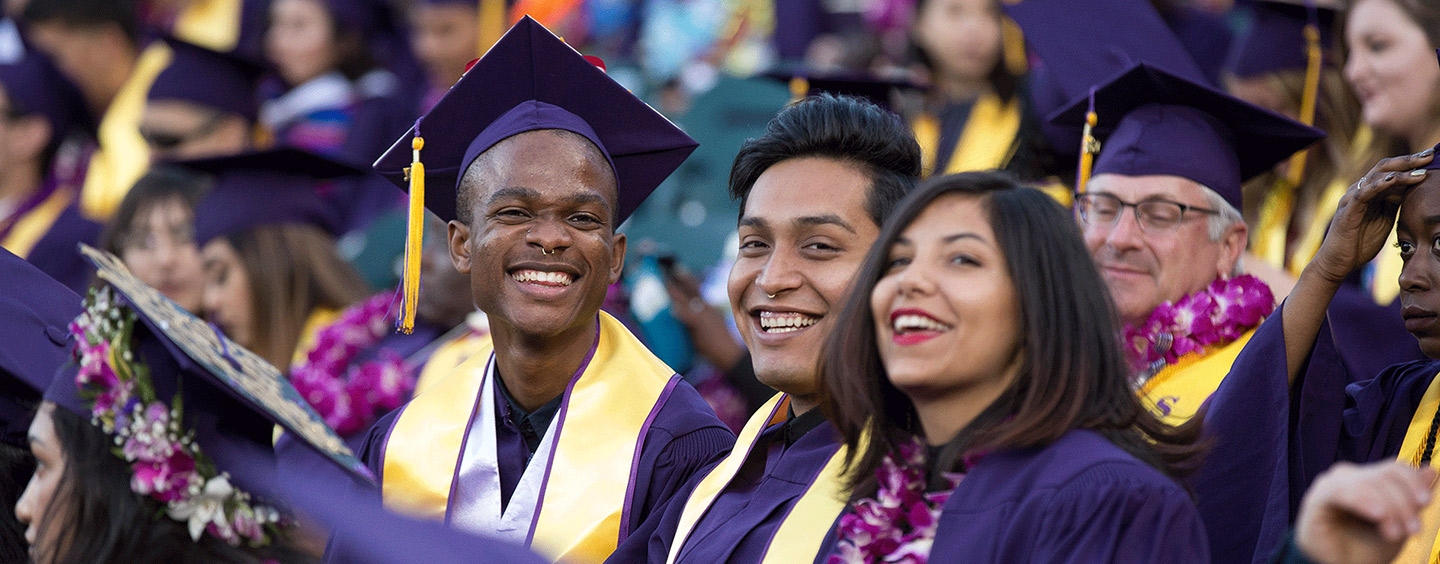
[[319, 319], [1414, 551], [123, 156], [601, 419], [213, 24], [1190, 381], [450, 357], [30, 229], [988, 141], [803, 530]]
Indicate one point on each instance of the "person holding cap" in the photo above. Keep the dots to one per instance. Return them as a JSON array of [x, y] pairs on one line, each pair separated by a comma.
[[570, 433]]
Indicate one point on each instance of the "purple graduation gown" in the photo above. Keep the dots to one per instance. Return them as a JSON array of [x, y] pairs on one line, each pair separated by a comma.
[[57, 254], [1369, 337], [743, 519], [684, 438], [1081, 499]]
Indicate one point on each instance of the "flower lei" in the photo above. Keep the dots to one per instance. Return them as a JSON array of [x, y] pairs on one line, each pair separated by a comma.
[[165, 461], [898, 524], [349, 397], [1220, 313]]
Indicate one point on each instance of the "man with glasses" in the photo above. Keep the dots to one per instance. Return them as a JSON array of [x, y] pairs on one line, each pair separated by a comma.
[[202, 105]]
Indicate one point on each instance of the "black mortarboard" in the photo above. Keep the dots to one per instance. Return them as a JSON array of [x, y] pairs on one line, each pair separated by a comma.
[[36, 310], [211, 79], [272, 187], [1160, 123]]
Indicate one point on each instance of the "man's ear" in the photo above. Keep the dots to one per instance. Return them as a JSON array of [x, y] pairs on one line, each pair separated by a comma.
[[1233, 247], [617, 257], [459, 246]]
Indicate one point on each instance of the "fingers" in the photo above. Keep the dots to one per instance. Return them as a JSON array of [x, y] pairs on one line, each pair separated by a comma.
[[1388, 495], [1403, 163]]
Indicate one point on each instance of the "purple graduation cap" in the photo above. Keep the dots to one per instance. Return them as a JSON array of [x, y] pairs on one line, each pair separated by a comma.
[[1160, 123], [37, 310], [1276, 39], [35, 87], [877, 90], [273, 187], [529, 80], [219, 81]]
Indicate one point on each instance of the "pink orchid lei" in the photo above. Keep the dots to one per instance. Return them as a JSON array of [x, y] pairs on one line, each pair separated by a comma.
[[898, 524], [1219, 314], [350, 397], [165, 461]]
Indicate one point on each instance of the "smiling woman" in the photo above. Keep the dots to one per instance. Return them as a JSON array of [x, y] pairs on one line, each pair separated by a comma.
[[979, 326]]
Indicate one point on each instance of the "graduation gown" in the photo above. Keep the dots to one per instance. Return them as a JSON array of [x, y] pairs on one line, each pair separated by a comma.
[[1081, 499], [679, 437], [757, 513], [45, 232]]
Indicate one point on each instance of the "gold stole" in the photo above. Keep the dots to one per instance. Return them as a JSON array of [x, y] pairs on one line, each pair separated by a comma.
[[213, 24], [453, 356], [988, 141], [1272, 233], [804, 528], [37, 222], [123, 156], [598, 435], [1414, 551], [319, 318], [1182, 387]]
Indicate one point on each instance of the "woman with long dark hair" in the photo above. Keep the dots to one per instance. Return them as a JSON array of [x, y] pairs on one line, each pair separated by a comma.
[[979, 348]]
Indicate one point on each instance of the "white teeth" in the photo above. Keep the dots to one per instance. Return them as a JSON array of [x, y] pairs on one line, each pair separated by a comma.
[[777, 322], [541, 277], [917, 323]]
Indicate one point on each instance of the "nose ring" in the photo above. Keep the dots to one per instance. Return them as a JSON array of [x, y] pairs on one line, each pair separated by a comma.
[[771, 296], [546, 252]]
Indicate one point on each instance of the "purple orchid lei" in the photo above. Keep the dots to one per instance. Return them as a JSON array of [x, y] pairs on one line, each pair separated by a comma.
[[1219, 314], [165, 461], [350, 397], [898, 524]]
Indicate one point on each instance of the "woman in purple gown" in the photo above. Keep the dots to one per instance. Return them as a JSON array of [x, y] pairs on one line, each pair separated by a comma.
[[978, 381]]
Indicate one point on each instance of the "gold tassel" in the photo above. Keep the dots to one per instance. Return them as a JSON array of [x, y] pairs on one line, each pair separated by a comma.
[[1089, 147], [1308, 98], [414, 237], [799, 88], [491, 19], [1012, 47]]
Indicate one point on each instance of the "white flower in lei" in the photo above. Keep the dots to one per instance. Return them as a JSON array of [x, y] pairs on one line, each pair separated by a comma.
[[205, 507]]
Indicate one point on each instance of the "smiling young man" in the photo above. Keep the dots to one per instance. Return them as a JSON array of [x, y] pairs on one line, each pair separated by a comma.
[[570, 434], [813, 190]]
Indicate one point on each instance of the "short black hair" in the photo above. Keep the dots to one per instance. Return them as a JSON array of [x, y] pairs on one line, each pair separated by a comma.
[[85, 13], [844, 128]]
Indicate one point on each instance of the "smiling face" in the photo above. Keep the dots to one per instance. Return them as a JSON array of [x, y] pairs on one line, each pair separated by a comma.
[[803, 234], [947, 316], [1418, 235], [541, 247], [33, 504], [1392, 67], [228, 299], [1146, 268]]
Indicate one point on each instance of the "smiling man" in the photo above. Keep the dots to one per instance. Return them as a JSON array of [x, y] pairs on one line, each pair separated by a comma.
[[813, 191], [570, 434]]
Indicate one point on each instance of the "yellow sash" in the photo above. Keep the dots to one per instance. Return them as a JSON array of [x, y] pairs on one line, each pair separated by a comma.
[[213, 24], [1176, 392], [809, 520], [988, 141], [320, 318], [598, 433], [1272, 233], [123, 157], [1410, 451], [452, 356], [30, 229]]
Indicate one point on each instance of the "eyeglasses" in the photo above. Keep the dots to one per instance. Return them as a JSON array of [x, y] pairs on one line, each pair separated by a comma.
[[167, 141], [1103, 210], [152, 240]]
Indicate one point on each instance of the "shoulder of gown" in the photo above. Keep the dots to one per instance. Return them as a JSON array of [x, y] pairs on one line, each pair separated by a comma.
[[684, 438]]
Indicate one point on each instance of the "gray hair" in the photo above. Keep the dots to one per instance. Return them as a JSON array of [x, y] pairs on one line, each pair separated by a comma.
[[1220, 223]]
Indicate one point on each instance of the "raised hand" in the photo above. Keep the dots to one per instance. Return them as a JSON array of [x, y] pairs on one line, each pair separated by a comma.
[[1366, 215]]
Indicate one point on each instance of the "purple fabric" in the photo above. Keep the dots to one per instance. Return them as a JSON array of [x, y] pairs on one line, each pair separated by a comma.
[[635, 461], [1081, 500], [273, 187], [210, 79], [1369, 337], [37, 311], [512, 455], [530, 64], [1275, 40], [1241, 486], [1174, 140], [57, 254], [34, 86], [1206, 38]]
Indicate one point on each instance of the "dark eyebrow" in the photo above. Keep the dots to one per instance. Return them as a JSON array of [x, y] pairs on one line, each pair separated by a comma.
[[826, 219], [966, 235], [1432, 220], [523, 193], [752, 221]]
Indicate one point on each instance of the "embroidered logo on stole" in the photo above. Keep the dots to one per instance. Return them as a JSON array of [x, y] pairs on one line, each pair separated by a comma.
[[804, 528], [599, 431], [1176, 392]]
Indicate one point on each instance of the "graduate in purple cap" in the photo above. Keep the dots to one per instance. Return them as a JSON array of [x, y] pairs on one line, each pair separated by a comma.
[[814, 190], [135, 438], [36, 310], [976, 379], [445, 36], [40, 219], [202, 105], [570, 434]]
